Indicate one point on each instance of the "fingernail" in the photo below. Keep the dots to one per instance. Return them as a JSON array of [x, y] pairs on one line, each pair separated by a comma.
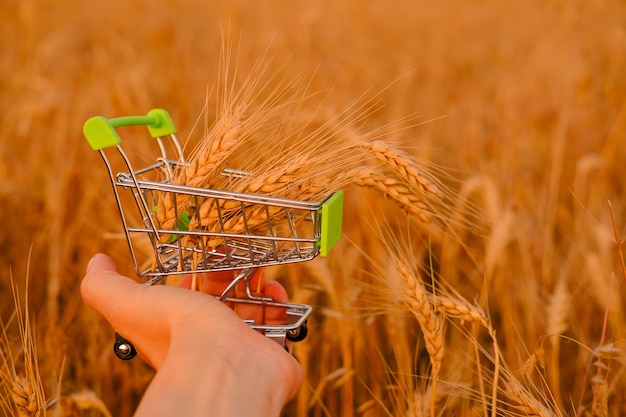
[[90, 263]]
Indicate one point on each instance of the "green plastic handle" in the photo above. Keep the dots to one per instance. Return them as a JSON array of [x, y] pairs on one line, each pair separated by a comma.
[[100, 131], [332, 214]]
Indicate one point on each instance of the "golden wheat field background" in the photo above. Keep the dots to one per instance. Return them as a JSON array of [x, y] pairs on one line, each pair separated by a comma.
[[510, 302]]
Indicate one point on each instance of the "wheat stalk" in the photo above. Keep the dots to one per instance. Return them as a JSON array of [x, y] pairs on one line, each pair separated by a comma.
[[314, 165], [298, 178], [294, 174], [25, 390]]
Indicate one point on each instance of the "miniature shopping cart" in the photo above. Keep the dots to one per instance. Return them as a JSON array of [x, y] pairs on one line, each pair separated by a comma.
[[244, 231]]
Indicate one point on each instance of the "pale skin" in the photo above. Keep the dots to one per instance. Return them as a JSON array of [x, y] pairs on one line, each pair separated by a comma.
[[208, 361]]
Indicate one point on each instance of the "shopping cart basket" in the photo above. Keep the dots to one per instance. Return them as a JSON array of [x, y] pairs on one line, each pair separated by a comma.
[[213, 229]]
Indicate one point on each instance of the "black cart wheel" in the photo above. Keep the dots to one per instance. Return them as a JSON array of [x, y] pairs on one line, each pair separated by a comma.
[[298, 334], [123, 348]]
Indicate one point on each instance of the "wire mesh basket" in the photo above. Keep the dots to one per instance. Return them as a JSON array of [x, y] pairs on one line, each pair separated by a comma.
[[194, 230]]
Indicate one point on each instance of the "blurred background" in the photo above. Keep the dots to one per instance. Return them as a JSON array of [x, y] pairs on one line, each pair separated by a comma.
[[521, 102]]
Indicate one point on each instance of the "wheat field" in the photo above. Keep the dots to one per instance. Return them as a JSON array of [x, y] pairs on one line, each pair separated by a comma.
[[480, 272]]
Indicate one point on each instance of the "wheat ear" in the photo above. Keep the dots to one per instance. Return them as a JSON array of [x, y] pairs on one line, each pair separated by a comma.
[[24, 397], [431, 322], [87, 400], [236, 224], [403, 165], [218, 145], [26, 390], [203, 167], [391, 188], [557, 315], [284, 181], [461, 309], [523, 401]]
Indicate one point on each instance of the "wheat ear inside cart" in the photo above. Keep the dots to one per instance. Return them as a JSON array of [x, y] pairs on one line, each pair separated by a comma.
[[174, 229]]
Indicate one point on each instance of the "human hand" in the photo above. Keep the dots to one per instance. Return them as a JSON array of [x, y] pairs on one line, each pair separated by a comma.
[[208, 360]]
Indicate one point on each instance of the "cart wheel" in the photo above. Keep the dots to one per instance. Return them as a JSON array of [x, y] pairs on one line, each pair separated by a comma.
[[298, 334], [123, 348]]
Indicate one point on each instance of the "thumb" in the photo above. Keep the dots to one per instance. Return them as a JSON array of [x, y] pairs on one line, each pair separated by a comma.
[[104, 290], [127, 307]]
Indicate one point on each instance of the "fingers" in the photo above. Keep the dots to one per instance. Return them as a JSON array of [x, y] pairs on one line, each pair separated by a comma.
[[266, 314], [216, 282], [211, 283]]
